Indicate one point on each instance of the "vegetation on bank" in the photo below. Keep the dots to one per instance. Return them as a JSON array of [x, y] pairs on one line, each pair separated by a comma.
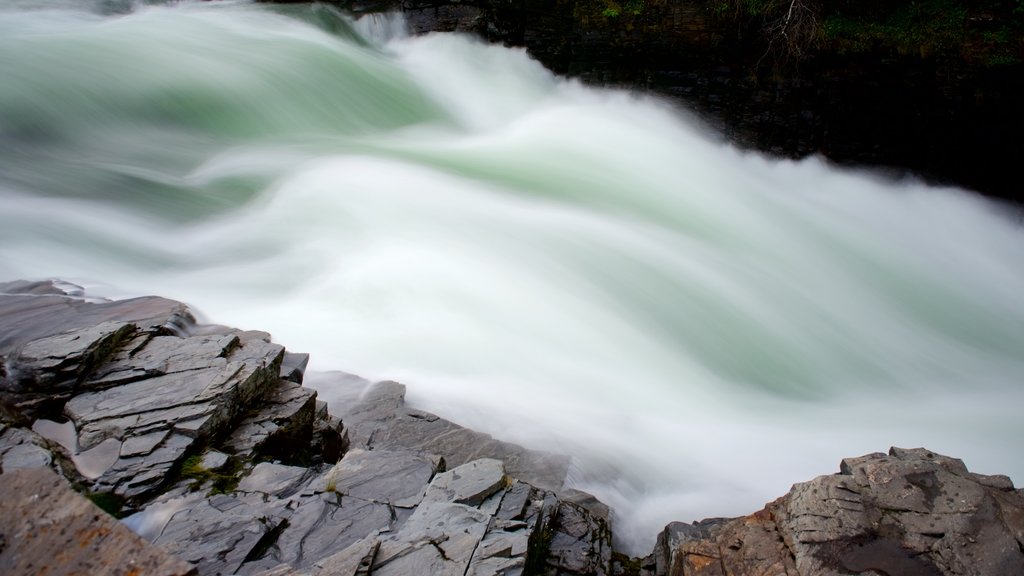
[[986, 32], [980, 32]]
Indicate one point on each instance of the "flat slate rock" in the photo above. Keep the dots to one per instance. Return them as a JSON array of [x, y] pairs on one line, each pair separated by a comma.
[[48, 310], [475, 520], [379, 419], [46, 527], [164, 396]]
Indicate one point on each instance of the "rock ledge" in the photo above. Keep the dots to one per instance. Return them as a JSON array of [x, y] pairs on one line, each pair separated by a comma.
[[223, 463]]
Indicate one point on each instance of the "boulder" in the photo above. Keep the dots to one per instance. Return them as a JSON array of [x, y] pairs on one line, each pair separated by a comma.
[[910, 512]]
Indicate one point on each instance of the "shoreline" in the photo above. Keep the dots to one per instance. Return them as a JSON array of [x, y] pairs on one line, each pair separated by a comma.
[[204, 436]]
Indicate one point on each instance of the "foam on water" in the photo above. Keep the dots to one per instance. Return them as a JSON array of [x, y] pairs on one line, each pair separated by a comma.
[[573, 269]]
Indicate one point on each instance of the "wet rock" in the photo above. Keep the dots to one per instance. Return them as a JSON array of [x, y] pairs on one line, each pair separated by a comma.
[[277, 425], [580, 543], [58, 361], [25, 449], [153, 413], [380, 419], [397, 478], [219, 533], [293, 366], [473, 519], [468, 484], [214, 460], [166, 400], [25, 456], [48, 310], [330, 437], [273, 479], [910, 512], [443, 535], [314, 513]]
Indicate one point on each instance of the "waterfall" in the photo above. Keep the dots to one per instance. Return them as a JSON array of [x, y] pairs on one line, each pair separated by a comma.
[[574, 269]]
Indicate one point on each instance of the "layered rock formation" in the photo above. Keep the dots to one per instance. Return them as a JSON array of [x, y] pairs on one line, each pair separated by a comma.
[[204, 435], [911, 513], [205, 438]]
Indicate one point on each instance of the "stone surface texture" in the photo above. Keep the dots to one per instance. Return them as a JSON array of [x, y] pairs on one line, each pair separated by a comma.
[[909, 512], [48, 528], [206, 439]]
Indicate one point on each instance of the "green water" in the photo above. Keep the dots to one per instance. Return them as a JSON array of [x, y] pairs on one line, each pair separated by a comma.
[[569, 268]]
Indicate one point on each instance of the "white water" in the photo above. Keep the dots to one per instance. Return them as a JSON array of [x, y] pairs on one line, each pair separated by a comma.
[[573, 269]]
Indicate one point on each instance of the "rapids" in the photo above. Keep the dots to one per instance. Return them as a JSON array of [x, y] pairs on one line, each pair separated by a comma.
[[574, 269]]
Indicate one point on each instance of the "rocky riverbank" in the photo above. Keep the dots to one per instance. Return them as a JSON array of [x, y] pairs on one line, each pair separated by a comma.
[[204, 441]]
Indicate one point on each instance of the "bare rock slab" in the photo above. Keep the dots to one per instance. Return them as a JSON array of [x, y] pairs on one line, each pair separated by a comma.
[[379, 418], [46, 526], [910, 512]]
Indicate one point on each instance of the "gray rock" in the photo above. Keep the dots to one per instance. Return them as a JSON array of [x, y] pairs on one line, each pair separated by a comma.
[[278, 424], [380, 419], [218, 534], [273, 479], [141, 395], [439, 538], [580, 543], [25, 456], [59, 360], [364, 493], [354, 560], [214, 460], [40, 287], [322, 524], [166, 395], [394, 478], [46, 371], [470, 483], [150, 356], [293, 366], [136, 476], [330, 437], [28, 317], [473, 520], [144, 444]]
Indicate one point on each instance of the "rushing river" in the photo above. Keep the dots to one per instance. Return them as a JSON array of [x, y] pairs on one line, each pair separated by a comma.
[[573, 269]]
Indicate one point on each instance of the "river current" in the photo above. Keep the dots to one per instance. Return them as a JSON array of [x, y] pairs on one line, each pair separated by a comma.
[[574, 269]]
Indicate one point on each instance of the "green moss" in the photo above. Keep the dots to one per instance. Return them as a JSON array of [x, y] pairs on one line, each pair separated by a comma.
[[538, 550], [612, 9], [630, 566], [986, 32], [932, 28], [222, 481], [746, 9], [108, 502]]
